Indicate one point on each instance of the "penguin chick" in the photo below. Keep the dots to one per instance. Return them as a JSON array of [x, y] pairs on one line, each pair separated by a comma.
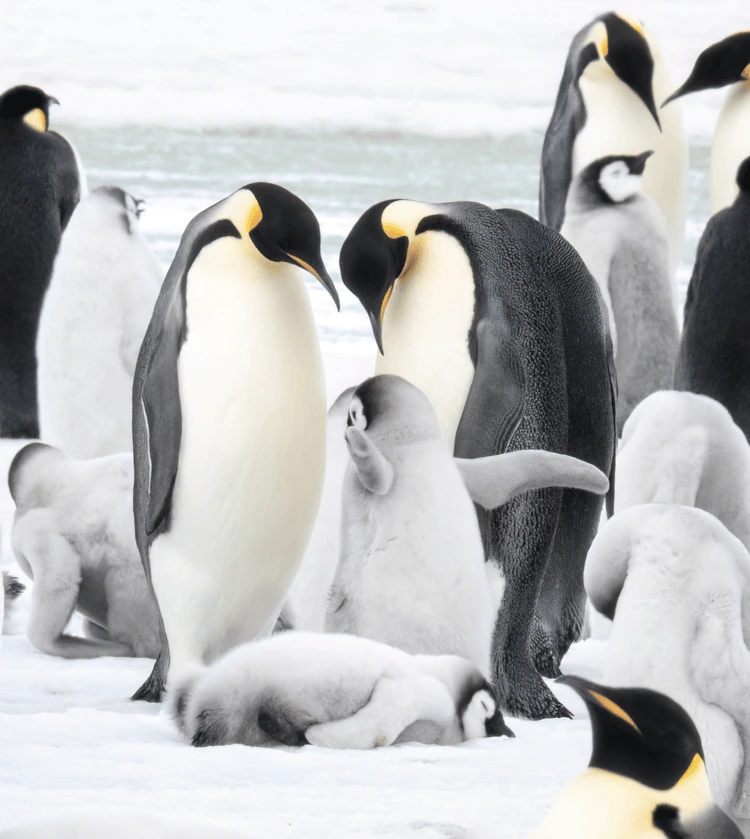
[[73, 535], [95, 313], [336, 691], [622, 237], [412, 571], [646, 773], [683, 448], [677, 585]]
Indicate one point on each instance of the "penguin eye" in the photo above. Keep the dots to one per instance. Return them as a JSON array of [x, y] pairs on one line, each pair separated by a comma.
[[357, 416]]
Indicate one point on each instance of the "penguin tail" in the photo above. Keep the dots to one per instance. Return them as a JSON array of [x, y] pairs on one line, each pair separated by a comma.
[[743, 175]]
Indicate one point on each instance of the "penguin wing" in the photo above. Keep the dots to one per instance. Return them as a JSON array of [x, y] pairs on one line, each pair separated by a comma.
[[557, 166], [68, 180], [711, 824]]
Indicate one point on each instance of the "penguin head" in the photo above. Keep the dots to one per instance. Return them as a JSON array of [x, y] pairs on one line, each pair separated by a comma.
[[123, 209], [260, 223], [620, 42], [27, 104], [388, 406], [480, 715], [721, 64], [640, 734], [614, 179], [381, 247]]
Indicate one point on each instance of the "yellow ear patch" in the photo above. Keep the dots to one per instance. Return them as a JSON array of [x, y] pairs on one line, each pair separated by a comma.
[[604, 46], [393, 231], [254, 218], [385, 302], [695, 766], [746, 73], [634, 23], [35, 119], [613, 708]]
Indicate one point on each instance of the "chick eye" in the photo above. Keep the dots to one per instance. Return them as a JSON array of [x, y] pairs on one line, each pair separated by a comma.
[[357, 416]]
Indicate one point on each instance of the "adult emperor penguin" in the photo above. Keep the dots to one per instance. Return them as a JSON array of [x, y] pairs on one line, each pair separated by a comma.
[[229, 423], [495, 318], [647, 777], [622, 238], [714, 357], [722, 64], [39, 188], [606, 105], [95, 314]]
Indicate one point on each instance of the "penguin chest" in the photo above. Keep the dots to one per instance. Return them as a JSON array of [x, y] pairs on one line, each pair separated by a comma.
[[252, 451], [731, 145], [427, 323]]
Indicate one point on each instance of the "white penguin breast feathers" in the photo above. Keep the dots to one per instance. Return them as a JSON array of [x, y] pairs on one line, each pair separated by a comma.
[[426, 326], [731, 145], [252, 455]]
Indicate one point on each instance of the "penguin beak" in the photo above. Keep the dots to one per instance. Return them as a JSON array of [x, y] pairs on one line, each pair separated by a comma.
[[681, 91], [377, 330], [53, 100], [139, 205], [596, 699], [318, 270]]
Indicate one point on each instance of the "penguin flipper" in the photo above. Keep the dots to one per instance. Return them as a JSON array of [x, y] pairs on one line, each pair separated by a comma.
[[610, 500], [714, 824]]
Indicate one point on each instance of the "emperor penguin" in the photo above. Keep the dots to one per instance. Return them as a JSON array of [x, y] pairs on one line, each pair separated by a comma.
[[646, 778], [676, 584], [73, 536], [714, 355], [621, 236], [412, 570], [229, 425], [495, 318], [726, 63], [94, 317], [606, 105], [39, 190], [334, 691]]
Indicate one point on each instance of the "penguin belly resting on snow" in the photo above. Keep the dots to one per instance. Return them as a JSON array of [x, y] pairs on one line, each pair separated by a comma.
[[682, 448], [73, 535], [646, 778], [714, 356], [229, 426], [39, 190], [606, 105], [676, 583], [495, 318], [95, 315], [412, 572], [335, 691], [621, 236]]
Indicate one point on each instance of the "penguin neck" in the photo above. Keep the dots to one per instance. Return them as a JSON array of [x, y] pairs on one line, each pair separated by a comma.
[[427, 323], [730, 145]]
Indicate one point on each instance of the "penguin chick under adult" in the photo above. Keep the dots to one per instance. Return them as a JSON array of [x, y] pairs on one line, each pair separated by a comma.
[[646, 778], [39, 189], [73, 536], [95, 314], [726, 63], [621, 235], [335, 691], [412, 571], [229, 425], [714, 356], [606, 104]]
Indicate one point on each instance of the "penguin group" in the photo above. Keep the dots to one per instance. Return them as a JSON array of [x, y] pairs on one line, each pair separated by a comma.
[[527, 377]]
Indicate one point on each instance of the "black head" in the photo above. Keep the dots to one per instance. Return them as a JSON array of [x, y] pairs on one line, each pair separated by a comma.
[[639, 734], [387, 401], [29, 104], [627, 52], [615, 178], [719, 65], [372, 258]]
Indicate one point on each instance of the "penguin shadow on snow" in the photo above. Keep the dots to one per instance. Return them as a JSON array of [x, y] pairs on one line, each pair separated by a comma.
[[412, 571], [646, 777], [676, 584]]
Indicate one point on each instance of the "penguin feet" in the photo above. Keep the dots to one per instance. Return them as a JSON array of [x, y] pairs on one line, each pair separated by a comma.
[[544, 651], [154, 688], [521, 692]]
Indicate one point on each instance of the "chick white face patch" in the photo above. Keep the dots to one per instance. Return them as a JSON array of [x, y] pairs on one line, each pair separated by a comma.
[[618, 181], [357, 416]]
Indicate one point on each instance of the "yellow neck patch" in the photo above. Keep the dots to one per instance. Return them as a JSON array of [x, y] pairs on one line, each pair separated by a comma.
[[254, 218], [393, 231], [35, 119], [746, 73], [695, 767], [604, 46], [613, 708]]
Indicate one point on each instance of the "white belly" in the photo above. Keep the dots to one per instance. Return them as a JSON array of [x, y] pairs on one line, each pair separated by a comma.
[[426, 327], [618, 122], [251, 462], [731, 146]]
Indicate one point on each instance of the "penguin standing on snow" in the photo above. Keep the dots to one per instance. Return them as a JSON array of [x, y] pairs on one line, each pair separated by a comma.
[[722, 64], [622, 238], [39, 189], [714, 357], [606, 105], [229, 425], [646, 778], [95, 314], [495, 318]]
